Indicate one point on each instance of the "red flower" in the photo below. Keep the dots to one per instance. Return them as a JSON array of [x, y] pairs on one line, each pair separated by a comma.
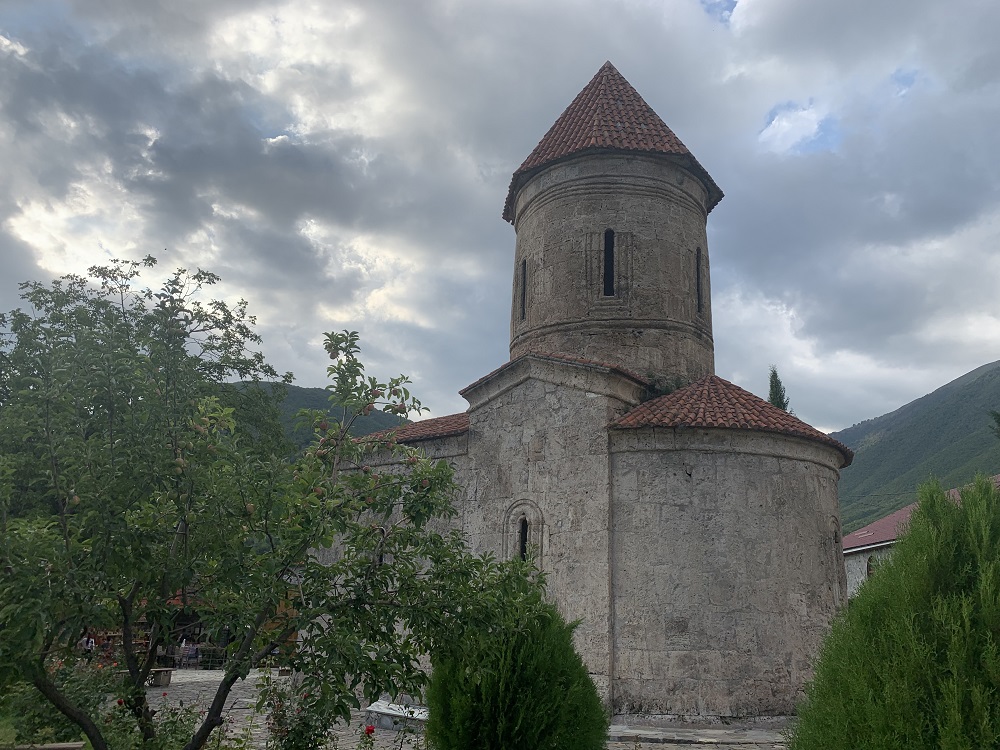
[[121, 702], [164, 693], [370, 729]]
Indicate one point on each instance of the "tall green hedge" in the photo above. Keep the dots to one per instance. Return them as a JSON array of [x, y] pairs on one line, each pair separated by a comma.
[[521, 685], [914, 662]]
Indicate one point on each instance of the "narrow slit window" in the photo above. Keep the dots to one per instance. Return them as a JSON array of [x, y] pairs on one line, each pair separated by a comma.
[[609, 263], [697, 280], [524, 288], [522, 539]]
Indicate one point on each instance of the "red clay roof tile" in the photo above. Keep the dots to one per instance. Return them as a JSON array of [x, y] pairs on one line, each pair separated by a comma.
[[608, 114], [436, 427], [714, 402]]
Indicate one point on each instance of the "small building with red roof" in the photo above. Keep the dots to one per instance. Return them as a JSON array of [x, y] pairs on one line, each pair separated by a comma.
[[869, 543], [862, 548], [691, 527]]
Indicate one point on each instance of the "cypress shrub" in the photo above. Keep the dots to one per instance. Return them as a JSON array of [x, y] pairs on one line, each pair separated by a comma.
[[914, 662], [520, 685]]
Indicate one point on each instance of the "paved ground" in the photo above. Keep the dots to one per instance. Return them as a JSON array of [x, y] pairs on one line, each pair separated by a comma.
[[196, 687]]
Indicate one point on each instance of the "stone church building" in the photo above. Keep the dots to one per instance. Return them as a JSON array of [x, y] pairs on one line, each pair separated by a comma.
[[694, 534]]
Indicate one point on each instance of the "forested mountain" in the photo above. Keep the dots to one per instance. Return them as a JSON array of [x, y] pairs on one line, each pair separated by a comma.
[[318, 398], [945, 434]]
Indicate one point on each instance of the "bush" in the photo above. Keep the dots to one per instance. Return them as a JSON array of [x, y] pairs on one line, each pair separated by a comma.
[[32, 719], [521, 685], [914, 661], [296, 720]]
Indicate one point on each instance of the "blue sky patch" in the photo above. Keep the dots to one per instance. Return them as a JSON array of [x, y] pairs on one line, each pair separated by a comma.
[[799, 128], [903, 80], [720, 10]]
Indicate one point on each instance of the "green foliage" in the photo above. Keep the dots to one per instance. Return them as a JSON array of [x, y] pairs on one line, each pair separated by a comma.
[[98, 689], [318, 399], [946, 434], [139, 492], [297, 720], [33, 719], [995, 427], [914, 662], [662, 385], [776, 390], [519, 683]]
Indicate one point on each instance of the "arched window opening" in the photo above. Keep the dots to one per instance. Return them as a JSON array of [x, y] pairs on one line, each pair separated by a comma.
[[609, 263], [524, 288], [870, 567], [524, 535], [697, 280]]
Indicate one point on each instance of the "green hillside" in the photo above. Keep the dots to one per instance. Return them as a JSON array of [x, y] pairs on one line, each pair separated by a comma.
[[945, 434], [318, 398]]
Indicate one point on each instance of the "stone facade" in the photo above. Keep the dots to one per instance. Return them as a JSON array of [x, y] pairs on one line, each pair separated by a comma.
[[694, 535], [657, 318], [725, 550]]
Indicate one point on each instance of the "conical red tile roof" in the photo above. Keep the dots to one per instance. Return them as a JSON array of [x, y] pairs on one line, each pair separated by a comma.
[[714, 402], [608, 114]]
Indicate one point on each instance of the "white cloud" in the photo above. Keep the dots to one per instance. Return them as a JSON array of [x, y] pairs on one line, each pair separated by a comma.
[[789, 126]]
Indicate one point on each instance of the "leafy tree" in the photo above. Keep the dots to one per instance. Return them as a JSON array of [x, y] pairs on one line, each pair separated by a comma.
[[914, 662], [995, 427], [776, 392], [139, 491], [520, 683]]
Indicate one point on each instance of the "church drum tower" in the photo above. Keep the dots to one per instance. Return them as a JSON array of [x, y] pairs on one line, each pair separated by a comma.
[[695, 535], [611, 261]]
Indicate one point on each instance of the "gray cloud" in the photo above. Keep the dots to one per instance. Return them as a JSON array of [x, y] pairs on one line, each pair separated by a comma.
[[344, 166]]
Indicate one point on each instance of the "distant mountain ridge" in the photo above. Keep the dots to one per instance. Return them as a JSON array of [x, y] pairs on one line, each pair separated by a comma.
[[945, 434], [298, 398]]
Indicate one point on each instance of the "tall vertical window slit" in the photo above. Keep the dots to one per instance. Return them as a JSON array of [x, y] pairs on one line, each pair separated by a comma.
[[609, 263], [697, 280], [524, 288], [522, 539]]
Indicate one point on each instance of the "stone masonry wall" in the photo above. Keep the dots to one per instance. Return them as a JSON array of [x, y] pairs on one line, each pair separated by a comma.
[[539, 446], [658, 321], [726, 569]]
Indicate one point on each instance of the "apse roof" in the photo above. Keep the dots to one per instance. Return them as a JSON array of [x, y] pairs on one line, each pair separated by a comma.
[[714, 402], [607, 115]]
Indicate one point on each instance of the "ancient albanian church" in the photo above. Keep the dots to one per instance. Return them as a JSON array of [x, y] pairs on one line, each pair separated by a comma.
[[695, 535]]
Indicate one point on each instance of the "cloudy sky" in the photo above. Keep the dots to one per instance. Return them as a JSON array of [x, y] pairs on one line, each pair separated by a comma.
[[343, 164]]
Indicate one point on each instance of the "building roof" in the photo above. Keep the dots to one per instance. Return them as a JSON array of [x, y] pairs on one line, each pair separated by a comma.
[[887, 529], [714, 402], [879, 532], [431, 429], [607, 115], [558, 357]]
